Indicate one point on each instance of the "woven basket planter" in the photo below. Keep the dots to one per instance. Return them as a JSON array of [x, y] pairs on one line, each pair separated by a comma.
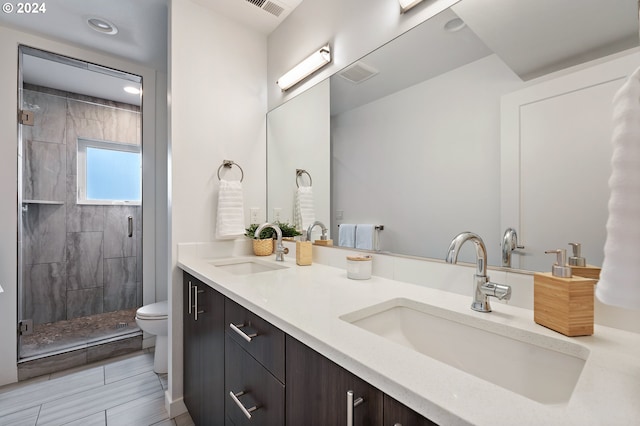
[[263, 247]]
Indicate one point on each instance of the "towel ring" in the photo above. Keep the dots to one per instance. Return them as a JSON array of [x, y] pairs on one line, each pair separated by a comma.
[[300, 172], [227, 164]]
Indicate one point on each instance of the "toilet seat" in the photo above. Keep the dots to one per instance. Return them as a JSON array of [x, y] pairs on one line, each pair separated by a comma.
[[154, 311]]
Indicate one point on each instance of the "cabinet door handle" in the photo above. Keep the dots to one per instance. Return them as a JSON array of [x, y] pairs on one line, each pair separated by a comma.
[[247, 411], [351, 404], [190, 301], [196, 311], [246, 336]]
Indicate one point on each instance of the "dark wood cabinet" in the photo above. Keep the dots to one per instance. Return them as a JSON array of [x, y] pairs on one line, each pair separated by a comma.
[[203, 352], [230, 350], [256, 392], [259, 338], [397, 414], [317, 391]]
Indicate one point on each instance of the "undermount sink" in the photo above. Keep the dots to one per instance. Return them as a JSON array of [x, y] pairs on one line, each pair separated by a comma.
[[245, 266], [538, 367]]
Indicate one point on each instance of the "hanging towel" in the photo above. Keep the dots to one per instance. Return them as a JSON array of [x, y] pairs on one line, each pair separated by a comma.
[[303, 212], [365, 235], [230, 218], [620, 276], [347, 235]]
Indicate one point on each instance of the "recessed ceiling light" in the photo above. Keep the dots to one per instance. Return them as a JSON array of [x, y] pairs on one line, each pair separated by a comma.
[[132, 90], [101, 25], [456, 24]]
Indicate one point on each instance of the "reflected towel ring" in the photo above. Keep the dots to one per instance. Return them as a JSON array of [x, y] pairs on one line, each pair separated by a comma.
[[228, 164], [299, 173]]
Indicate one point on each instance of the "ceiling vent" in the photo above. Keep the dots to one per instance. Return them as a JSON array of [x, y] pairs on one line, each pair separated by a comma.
[[358, 72], [270, 6]]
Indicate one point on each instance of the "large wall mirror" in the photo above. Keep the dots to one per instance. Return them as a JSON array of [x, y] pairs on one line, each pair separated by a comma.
[[484, 117]]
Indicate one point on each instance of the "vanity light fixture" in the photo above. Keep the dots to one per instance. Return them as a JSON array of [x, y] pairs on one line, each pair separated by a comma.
[[308, 66], [405, 5]]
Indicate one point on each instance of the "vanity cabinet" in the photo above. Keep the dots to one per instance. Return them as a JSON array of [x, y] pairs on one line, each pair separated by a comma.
[[203, 352], [254, 369], [239, 369], [317, 391]]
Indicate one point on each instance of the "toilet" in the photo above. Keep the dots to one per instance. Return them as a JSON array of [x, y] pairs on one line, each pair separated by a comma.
[[153, 319]]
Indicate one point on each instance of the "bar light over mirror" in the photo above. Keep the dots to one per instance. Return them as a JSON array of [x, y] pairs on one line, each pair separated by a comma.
[[405, 5], [308, 66]]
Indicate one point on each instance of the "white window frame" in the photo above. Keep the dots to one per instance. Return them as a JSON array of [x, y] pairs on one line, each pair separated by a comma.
[[83, 144]]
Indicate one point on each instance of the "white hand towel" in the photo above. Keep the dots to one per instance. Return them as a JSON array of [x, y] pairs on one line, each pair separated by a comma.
[[347, 235], [230, 218], [620, 276], [303, 211], [365, 236]]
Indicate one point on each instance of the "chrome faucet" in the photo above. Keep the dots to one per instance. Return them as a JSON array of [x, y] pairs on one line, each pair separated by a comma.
[[483, 287], [323, 237], [509, 244], [280, 249]]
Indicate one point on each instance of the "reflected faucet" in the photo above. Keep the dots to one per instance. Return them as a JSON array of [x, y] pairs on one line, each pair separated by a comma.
[[483, 287], [323, 237], [509, 244], [280, 249]]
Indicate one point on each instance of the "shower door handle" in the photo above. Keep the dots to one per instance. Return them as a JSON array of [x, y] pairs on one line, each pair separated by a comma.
[[130, 226]]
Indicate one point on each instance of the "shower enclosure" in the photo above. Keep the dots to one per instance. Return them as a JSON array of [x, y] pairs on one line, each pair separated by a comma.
[[79, 230]]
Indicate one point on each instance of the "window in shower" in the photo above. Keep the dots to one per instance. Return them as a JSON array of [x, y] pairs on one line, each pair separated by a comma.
[[109, 173]]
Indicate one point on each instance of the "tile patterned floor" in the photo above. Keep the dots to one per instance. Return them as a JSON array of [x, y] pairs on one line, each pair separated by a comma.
[[120, 391]]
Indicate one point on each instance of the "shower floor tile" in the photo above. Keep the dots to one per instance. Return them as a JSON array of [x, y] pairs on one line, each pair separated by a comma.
[[78, 332]]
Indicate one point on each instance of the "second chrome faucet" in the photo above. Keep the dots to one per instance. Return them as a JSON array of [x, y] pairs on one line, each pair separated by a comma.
[[483, 287]]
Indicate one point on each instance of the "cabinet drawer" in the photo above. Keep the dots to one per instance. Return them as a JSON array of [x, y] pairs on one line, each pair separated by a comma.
[[258, 337], [256, 391]]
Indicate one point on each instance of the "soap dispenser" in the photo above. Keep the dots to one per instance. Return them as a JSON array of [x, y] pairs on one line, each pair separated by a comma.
[[579, 264], [563, 302], [304, 253]]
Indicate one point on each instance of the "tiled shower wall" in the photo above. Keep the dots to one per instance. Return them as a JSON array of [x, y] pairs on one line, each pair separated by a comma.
[[78, 259]]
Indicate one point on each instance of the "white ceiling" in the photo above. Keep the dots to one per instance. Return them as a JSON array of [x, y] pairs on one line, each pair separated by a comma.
[[141, 38], [418, 55], [142, 27], [533, 37]]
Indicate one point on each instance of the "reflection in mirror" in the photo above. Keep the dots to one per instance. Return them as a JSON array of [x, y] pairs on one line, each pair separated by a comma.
[[422, 138], [301, 129]]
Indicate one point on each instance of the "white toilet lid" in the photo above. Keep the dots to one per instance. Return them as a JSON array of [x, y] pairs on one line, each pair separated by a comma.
[[154, 311]]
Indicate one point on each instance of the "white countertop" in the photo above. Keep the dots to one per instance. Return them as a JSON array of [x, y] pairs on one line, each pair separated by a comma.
[[307, 301]]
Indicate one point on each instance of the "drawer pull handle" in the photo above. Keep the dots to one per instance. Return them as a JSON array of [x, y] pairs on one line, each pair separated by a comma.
[[246, 336], [247, 411], [351, 404]]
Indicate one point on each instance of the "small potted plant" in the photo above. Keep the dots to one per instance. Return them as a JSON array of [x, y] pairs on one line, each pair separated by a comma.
[[262, 245], [288, 230]]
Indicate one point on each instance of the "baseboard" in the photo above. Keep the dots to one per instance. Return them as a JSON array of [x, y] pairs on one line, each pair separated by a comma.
[[174, 407]]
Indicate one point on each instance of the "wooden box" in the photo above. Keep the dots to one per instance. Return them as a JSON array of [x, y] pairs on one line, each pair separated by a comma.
[[564, 304], [303, 253], [323, 242]]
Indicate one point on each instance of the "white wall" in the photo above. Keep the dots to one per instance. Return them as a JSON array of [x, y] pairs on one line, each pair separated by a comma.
[[9, 41], [404, 163], [217, 111], [354, 28], [298, 135]]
